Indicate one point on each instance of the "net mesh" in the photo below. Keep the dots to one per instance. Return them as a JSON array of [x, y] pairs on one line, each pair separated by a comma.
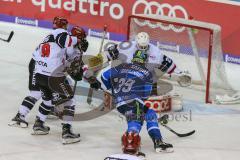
[[194, 46]]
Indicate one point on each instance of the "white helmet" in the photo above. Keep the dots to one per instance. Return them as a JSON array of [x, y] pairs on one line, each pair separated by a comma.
[[142, 40]]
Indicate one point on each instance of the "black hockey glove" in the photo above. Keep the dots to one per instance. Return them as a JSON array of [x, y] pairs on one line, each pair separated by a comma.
[[112, 52], [163, 119], [83, 45], [77, 74], [94, 83]]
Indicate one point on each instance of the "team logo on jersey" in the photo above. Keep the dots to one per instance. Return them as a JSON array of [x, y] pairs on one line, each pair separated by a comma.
[[41, 63]]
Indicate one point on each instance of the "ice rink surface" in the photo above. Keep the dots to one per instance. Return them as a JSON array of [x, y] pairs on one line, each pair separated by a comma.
[[217, 136]]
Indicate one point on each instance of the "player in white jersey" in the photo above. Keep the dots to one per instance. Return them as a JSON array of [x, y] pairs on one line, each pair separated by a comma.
[[155, 59], [35, 94], [51, 67]]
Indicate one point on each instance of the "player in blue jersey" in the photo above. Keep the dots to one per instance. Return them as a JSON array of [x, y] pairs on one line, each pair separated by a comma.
[[131, 84]]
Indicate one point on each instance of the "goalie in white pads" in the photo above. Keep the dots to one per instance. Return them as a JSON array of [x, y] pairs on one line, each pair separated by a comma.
[[155, 59], [157, 63]]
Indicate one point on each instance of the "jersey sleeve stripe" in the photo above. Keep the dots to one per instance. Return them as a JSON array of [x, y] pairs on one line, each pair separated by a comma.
[[171, 70], [70, 41]]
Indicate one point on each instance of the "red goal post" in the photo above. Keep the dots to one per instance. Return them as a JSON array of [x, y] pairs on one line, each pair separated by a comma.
[[194, 45]]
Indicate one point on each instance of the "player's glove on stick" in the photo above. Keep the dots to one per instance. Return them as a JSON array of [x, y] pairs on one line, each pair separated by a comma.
[[94, 83]]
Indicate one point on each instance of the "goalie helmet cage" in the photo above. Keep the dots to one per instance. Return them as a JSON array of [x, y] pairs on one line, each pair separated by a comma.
[[194, 45]]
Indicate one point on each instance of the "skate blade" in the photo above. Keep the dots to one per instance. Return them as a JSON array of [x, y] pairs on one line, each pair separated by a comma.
[[15, 124], [70, 141], [168, 150], [39, 133]]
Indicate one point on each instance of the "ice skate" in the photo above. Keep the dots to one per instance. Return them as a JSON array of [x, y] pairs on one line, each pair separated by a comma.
[[68, 136], [161, 146], [18, 121], [39, 128]]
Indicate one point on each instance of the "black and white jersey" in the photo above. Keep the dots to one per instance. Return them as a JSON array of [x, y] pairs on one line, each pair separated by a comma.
[[51, 54]]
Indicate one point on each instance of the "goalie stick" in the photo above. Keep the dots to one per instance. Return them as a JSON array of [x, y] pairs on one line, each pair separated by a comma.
[[163, 120], [90, 92], [9, 37]]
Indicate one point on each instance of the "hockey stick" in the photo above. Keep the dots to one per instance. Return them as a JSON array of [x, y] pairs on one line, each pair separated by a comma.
[[9, 37], [163, 120], [90, 92], [74, 87], [178, 134]]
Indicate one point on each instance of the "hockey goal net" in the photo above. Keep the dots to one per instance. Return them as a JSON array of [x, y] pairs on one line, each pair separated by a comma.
[[193, 45]]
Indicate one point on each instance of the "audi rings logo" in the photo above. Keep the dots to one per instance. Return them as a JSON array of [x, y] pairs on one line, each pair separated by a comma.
[[155, 8]]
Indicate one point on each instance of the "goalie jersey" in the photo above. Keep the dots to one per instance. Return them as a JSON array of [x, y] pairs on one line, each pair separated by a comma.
[[128, 82], [156, 60]]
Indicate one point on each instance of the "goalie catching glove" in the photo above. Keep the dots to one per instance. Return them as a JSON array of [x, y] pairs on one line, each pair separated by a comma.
[[184, 79]]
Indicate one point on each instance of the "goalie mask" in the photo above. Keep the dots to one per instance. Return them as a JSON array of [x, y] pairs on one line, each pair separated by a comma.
[[142, 40]]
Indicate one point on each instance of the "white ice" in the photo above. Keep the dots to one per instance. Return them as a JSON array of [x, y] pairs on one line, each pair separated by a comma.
[[217, 136]]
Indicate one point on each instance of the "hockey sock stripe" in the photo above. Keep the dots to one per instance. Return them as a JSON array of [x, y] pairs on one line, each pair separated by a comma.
[[69, 110], [29, 102], [151, 128], [44, 109], [68, 113], [31, 99]]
